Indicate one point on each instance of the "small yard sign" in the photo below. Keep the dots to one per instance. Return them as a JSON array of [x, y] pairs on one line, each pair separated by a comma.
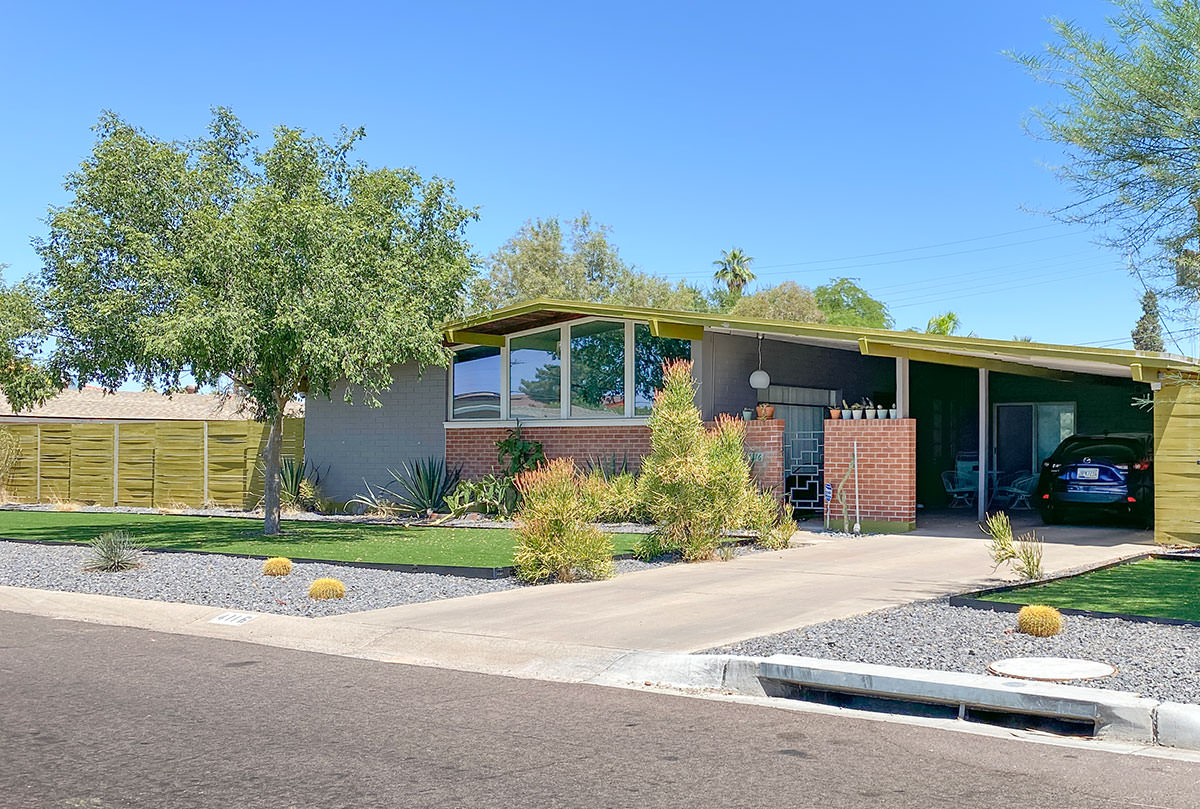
[[232, 618]]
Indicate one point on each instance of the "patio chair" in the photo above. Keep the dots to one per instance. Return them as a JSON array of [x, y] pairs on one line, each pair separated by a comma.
[[1017, 495], [960, 488]]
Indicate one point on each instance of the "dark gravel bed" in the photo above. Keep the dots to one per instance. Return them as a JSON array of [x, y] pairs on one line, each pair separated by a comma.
[[1154, 660]]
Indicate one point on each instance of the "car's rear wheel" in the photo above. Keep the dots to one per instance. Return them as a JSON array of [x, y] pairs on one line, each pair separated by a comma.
[[1051, 515]]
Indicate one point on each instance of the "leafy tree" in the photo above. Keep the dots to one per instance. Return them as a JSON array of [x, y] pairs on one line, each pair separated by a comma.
[[287, 270], [1147, 334], [947, 324], [787, 301], [577, 262], [1128, 123], [24, 380], [845, 303], [733, 270]]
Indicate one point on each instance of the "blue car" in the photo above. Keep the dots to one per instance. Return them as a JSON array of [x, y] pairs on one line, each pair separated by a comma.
[[1095, 475]]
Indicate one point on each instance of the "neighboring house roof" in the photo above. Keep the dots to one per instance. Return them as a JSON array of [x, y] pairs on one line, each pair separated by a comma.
[[95, 404], [1001, 355]]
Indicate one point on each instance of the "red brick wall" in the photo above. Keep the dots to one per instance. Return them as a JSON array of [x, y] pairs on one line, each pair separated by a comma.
[[887, 469], [474, 448]]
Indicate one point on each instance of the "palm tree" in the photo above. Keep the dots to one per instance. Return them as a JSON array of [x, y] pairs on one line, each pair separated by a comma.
[[733, 269]]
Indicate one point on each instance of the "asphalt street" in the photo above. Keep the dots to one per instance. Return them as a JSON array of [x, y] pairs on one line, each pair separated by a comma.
[[105, 717]]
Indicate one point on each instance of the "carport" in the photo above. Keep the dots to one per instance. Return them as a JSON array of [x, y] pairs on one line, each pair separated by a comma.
[[997, 410]]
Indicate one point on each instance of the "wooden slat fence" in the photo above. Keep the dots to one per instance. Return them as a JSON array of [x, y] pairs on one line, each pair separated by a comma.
[[149, 464]]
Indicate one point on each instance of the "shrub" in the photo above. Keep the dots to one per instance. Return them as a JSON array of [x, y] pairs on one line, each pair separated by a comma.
[[1024, 554], [519, 454], [375, 502], [298, 485], [1039, 620], [651, 546], [613, 499], [277, 566], [490, 494], [113, 552], [555, 538], [695, 484], [772, 520], [421, 487], [323, 589]]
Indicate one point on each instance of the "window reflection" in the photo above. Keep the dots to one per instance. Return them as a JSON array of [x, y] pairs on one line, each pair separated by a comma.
[[649, 354], [477, 383], [598, 370], [535, 375]]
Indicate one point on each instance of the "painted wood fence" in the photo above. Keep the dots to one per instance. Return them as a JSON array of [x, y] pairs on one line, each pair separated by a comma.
[[1177, 465], [153, 464]]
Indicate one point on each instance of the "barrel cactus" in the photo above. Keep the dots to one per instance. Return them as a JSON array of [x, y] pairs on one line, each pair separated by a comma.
[[1039, 620], [322, 589], [277, 566]]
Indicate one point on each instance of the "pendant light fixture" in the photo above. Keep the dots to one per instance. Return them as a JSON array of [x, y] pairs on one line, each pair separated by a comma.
[[760, 379]]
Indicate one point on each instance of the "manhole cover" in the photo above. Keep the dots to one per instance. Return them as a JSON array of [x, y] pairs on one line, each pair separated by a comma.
[[1051, 669]]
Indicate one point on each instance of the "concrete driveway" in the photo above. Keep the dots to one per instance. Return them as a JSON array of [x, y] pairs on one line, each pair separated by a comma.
[[690, 607]]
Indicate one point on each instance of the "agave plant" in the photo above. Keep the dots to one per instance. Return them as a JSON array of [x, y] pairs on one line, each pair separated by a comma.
[[113, 551], [421, 487], [298, 484]]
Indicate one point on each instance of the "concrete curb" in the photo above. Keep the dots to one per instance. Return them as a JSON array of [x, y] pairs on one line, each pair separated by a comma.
[[1116, 715]]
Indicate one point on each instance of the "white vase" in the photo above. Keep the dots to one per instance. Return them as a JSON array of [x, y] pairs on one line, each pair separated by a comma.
[[857, 413], [870, 412]]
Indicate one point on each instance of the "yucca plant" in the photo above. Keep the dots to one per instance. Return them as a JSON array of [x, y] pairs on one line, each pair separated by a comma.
[[421, 486], [112, 552]]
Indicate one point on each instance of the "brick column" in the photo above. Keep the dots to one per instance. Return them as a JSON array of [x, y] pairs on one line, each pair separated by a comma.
[[887, 472], [764, 437]]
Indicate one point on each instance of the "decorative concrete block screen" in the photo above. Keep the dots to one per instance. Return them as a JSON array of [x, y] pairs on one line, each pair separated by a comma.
[[474, 448], [151, 464], [887, 472]]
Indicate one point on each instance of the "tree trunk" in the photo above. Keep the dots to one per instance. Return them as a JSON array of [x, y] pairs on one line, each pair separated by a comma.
[[271, 484]]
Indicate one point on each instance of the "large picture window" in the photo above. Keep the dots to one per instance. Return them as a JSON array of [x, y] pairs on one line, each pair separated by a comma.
[[649, 354], [535, 376], [476, 383], [605, 369], [598, 370]]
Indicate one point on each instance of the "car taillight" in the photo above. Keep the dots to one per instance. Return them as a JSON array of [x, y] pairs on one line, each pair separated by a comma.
[[1142, 466], [1045, 497], [1131, 499]]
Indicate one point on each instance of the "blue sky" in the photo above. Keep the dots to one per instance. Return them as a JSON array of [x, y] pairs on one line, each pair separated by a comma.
[[825, 139]]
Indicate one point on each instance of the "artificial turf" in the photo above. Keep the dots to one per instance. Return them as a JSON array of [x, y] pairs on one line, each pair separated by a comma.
[[336, 541], [1156, 588]]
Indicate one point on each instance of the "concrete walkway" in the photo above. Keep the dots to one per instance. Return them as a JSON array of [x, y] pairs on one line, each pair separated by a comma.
[[686, 608]]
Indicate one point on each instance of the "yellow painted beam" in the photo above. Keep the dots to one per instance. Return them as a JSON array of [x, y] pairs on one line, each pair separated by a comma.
[[872, 348], [676, 331], [475, 338]]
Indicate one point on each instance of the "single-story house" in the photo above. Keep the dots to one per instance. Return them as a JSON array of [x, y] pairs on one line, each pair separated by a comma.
[[987, 410]]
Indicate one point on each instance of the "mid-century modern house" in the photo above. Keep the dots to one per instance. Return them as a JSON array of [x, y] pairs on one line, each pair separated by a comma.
[[951, 414]]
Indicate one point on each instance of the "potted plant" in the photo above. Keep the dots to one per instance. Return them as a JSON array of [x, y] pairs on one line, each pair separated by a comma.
[[765, 411], [869, 408], [883, 411], [856, 411], [894, 412], [747, 414], [847, 413], [835, 413]]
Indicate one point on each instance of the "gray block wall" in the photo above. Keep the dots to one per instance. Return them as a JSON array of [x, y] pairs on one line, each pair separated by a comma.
[[353, 442], [729, 360]]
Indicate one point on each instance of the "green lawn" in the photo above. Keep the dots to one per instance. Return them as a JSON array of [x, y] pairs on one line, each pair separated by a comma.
[[1156, 588], [343, 542]]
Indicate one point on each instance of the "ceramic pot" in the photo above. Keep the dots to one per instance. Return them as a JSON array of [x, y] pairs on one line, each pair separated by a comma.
[[835, 413]]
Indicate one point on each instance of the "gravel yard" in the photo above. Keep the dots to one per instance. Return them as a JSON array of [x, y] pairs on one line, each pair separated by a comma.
[[225, 581], [1154, 660]]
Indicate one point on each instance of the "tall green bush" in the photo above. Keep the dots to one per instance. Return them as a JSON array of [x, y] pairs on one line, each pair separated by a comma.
[[555, 537], [695, 483]]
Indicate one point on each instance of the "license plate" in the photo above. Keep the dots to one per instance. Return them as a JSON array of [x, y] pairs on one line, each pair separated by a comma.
[[1088, 473]]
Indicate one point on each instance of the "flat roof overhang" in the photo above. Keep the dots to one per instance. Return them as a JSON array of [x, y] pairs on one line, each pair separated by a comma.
[[1006, 356]]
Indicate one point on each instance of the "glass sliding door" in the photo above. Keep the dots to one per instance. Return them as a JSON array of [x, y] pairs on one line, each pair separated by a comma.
[[1024, 434]]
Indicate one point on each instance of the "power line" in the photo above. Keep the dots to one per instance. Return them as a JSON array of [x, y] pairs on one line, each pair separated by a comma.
[[953, 297]]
